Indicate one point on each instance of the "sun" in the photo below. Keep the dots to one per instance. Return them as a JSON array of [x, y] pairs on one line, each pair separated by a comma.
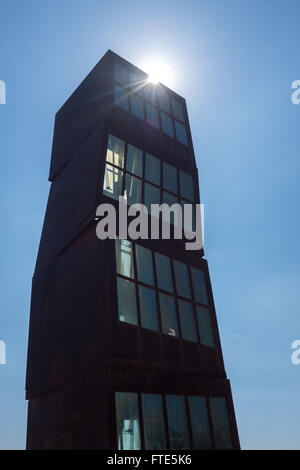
[[158, 71]]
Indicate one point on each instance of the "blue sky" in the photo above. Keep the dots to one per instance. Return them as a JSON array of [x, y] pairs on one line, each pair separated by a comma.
[[234, 62]]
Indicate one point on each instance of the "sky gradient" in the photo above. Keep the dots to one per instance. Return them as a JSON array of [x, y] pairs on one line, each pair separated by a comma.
[[234, 62]]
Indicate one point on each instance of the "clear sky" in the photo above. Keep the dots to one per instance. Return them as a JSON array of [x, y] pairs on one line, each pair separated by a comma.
[[234, 62]]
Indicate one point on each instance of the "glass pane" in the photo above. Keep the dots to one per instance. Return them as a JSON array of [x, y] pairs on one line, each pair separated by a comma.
[[191, 223], [187, 321], [205, 328], [144, 265], [166, 124], [186, 186], [134, 161], [182, 279], [137, 82], [126, 301], [148, 308], [154, 425], [177, 422], [128, 422], [150, 93], [170, 199], [137, 106], [120, 74], [170, 178], [152, 170], [124, 257], [121, 97], [177, 110], [152, 115], [168, 315], [200, 423], [112, 183], [180, 132], [220, 421], [163, 100], [151, 196], [199, 285], [163, 272], [115, 151], [133, 189]]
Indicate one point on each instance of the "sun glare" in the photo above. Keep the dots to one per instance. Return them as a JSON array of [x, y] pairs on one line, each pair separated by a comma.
[[158, 71]]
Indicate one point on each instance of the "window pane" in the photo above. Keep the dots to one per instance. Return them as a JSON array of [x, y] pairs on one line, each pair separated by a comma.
[[163, 100], [137, 82], [152, 115], [120, 74], [137, 106], [177, 422], [163, 272], [128, 423], [115, 151], [205, 327], [170, 199], [200, 423], [168, 315], [121, 97], [180, 132], [151, 196], [186, 186], [134, 161], [170, 178], [191, 219], [182, 279], [124, 258], [154, 425], [166, 124], [199, 285], [187, 321], [177, 110], [148, 308], [133, 189], [112, 183], [221, 427], [144, 265], [150, 93], [126, 301], [152, 170]]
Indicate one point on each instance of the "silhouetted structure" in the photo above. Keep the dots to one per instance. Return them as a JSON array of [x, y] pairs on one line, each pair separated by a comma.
[[124, 349]]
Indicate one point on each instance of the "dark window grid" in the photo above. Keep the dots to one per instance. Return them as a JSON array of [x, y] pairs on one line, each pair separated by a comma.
[[162, 179], [156, 292], [211, 421], [166, 421], [136, 299], [175, 296], [141, 420], [194, 306], [189, 421], [192, 286], [127, 74], [211, 324], [209, 418], [125, 91], [178, 182], [144, 105], [176, 299]]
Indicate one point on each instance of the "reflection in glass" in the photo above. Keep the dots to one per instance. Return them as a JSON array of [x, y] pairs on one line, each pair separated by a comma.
[[115, 151], [121, 97], [220, 421], [112, 183], [150, 93], [144, 265], [124, 258], [152, 170], [133, 189], [177, 422], [168, 315], [148, 308], [126, 301], [134, 161], [177, 110], [152, 115], [182, 279], [128, 425], [153, 418], [137, 106], [163, 272], [170, 199], [169, 178], [186, 186], [199, 286], [151, 196], [180, 132], [166, 124], [200, 423], [120, 73], [163, 100], [187, 321], [205, 327]]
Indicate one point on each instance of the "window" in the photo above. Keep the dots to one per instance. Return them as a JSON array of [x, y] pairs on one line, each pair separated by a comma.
[[151, 196], [177, 110], [134, 160], [152, 170], [182, 279], [166, 124], [187, 320], [180, 132], [163, 272], [144, 265], [124, 258], [183, 413], [164, 101], [152, 115], [186, 186], [112, 183], [220, 422], [169, 178], [168, 315], [121, 97], [199, 286], [177, 422], [137, 106], [128, 422], [148, 308], [115, 151], [126, 301], [200, 423], [120, 73], [154, 423], [205, 328], [133, 189]]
